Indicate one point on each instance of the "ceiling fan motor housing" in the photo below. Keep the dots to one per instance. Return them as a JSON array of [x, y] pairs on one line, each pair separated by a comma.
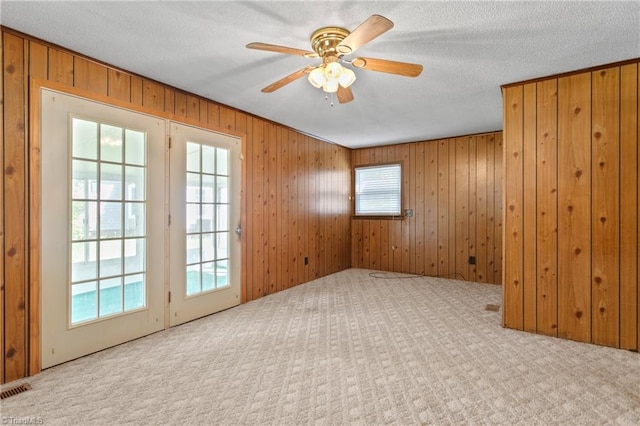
[[325, 41]]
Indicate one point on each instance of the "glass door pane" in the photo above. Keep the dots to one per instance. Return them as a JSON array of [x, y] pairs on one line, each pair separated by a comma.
[[108, 204], [207, 197]]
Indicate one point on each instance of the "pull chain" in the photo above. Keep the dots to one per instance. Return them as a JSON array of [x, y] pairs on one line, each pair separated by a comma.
[[326, 98]]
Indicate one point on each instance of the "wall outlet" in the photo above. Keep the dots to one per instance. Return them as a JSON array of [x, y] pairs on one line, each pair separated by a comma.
[[472, 260], [306, 260], [408, 213]]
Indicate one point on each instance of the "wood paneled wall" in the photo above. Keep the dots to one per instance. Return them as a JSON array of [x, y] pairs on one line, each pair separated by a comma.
[[454, 187], [572, 197], [296, 187]]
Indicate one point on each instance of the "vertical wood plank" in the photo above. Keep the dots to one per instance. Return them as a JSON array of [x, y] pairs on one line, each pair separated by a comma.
[[60, 67], [227, 118], [453, 273], [90, 76], [491, 220], [411, 225], [169, 101], [153, 95], [193, 110], [258, 204], [387, 227], [310, 201], [431, 208], [461, 194], [472, 203], [300, 197], [628, 206], [638, 210], [443, 208], [264, 185], [481, 209], [385, 245], [574, 207], [406, 253], [38, 60], [2, 219], [547, 208], [322, 184], [272, 200], [279, 226], [250, 224], [180, 108], [394, 154], [137, 95], [203, 113], [119, 85], [529, 211], [419, 214], [332, 210], [513, 184], [374, 244], [15, 208], [356, 225], [498, 208], [605, 203], [213, 112], [294, 257]]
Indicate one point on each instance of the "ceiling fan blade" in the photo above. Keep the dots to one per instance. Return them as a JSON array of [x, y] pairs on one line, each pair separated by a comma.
[[286, 80], [392, 67], [371, 28], [344, 94], [282, 49]]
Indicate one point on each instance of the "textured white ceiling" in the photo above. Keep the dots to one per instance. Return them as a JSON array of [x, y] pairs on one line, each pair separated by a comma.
[[468, 50]]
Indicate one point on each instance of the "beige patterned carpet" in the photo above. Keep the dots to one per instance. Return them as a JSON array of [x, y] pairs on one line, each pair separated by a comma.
[[344, 349]]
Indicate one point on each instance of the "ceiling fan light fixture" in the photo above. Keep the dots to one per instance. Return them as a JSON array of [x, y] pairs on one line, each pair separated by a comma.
[[333, 70], [347, 78], [317, 78], [331, 86], [331, 43]]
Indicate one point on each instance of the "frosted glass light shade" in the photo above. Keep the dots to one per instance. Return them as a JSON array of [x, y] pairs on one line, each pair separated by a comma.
[[333, 70], [347, 78], [317, 78], [331, 86]]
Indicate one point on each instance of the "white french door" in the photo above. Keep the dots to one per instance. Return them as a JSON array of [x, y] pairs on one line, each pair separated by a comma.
[[102, 226], [205, 214], [135, 236]]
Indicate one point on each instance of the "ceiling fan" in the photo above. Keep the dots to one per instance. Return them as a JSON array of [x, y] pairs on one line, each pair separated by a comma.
[[332, 43]]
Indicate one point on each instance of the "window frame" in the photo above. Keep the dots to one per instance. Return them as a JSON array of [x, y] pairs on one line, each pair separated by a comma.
[[365, 216]]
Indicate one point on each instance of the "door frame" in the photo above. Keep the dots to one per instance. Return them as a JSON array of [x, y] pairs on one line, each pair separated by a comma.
[[33, 302]]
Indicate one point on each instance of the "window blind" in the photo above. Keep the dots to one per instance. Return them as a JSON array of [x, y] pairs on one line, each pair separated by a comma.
[[378, 190]]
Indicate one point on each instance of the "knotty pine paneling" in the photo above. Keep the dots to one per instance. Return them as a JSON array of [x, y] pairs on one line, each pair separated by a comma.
[[605, 204], [2, 259], [628, 205], [294, 185], [446, 182], [574, 207], [529, 212], [546, 193], [15, 207], [578, 134], [513, 266]]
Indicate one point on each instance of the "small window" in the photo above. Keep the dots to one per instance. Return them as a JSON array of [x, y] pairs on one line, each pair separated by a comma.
[[378, 190]]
